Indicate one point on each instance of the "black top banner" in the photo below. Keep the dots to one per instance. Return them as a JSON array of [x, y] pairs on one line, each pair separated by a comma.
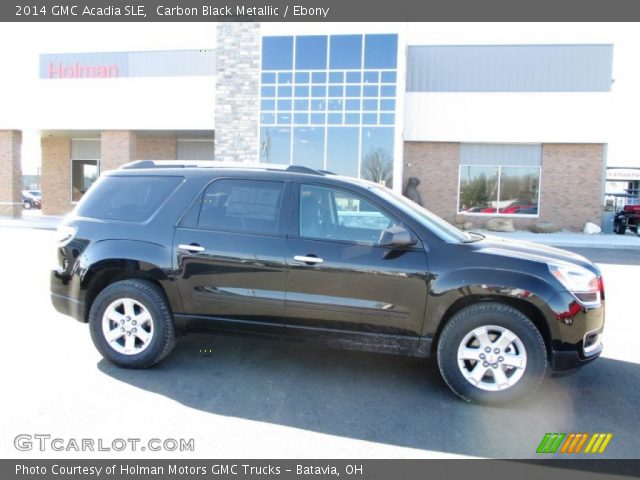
[[317, 10]]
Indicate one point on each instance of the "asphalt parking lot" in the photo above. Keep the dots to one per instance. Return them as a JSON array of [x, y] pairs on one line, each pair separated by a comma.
[[252, 398]]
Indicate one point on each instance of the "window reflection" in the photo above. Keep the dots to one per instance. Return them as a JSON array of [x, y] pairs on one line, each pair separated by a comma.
[[308, 147], [275, 144], [506, 190]]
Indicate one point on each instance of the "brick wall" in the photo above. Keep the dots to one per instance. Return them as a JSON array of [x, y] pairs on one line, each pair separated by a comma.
[[237, 83], [436, 165], [10, 173], [571, 182], [155, 148], [571, 187], [117, 147], [56, 175]]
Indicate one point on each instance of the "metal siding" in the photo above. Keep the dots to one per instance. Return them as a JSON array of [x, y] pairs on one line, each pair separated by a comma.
[[500, 154], [510, 68], [85, 149]]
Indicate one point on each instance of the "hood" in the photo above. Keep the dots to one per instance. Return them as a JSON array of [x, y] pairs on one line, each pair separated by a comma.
[[532, 251]]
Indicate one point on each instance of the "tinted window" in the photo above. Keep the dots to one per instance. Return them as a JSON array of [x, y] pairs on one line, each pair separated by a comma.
[[130, 198], [250, 206], [333, 214]]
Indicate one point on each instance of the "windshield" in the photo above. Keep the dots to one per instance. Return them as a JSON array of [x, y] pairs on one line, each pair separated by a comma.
[[437, 225]]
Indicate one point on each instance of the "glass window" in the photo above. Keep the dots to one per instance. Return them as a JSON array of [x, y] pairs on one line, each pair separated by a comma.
[[284, 119], [268, 78], [284, 104], [250, 206], [335, 104], [302, 77], [387, 119], [388, 77], [284, 91], [354, 77], [334, 214], [277, 53], [370, 77], [319, 91], [506, 190], [130, 198], [334, 119], [275, 145], [353, 105], [267, 105], [353, 91], [370, 105], [308, 147], [318, 118], [519, 190], [377, 155], [380, 51], [317, 105], [346, 52], [268, 118], [478, 189], [342, 150], [387, 91], [336, 77], [352, 118], [369, 118], [301, 105], [336, 91], [285, 78], [370, 91], [83, 174], [319, 77], [311, 52], [301, 118], [266, 92], [389, 105]]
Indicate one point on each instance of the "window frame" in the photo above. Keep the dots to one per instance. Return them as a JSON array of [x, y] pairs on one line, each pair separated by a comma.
[[497, 213], [294, 219], [191, 219]]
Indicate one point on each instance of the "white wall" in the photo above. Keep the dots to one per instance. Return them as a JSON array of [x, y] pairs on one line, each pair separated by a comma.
[[29, 103], [508, 117]]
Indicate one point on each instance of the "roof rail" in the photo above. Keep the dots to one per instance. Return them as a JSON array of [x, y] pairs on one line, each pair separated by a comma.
[[214, 164]]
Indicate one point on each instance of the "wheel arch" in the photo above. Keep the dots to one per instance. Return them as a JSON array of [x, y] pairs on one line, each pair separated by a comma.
[[531, 311], [108, 272]]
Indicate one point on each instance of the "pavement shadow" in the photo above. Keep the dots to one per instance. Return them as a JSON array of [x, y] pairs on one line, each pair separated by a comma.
[[387, 399]]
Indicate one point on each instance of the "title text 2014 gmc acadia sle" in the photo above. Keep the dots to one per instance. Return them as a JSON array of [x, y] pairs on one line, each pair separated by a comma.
[[156, 249]]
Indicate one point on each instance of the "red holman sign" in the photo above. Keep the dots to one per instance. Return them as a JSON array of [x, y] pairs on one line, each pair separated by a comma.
[[79, 70]]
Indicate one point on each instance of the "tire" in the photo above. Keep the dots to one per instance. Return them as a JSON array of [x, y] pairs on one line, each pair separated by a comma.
[[26, 205], [620, 228], [148, 333], [523, 362]]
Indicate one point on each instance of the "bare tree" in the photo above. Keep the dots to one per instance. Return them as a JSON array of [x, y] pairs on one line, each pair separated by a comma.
[[377, 166]]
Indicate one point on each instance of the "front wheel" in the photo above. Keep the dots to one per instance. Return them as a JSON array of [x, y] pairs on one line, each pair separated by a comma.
[[491, 353], [620, 228], [131, 324]]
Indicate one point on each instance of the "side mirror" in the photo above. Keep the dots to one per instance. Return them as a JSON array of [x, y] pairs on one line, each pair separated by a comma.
[[396, 237]]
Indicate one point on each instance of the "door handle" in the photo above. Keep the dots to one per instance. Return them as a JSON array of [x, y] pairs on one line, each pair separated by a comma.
[[307, 259], [191, 248]]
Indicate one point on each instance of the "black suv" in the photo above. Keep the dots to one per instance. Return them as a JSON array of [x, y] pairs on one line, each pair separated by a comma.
[[154, 249]]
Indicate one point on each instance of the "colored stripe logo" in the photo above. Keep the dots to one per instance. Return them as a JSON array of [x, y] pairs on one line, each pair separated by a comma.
[[574, 442]]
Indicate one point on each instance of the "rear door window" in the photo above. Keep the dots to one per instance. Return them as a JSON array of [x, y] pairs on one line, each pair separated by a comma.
[[246, 206], [127, 198]]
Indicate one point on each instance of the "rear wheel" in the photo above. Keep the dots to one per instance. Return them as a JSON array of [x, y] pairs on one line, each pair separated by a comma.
[[620, 228], [491, 353], [131, 324], [26, 205]]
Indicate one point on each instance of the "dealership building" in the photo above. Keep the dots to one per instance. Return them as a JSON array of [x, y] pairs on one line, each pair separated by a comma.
[[489, 130]]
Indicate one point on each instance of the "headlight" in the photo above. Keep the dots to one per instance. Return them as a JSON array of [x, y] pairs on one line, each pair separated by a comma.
[[579, 281], [65, 234]]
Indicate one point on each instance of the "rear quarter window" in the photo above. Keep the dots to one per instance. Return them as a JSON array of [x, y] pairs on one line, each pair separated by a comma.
[[127, 198]]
